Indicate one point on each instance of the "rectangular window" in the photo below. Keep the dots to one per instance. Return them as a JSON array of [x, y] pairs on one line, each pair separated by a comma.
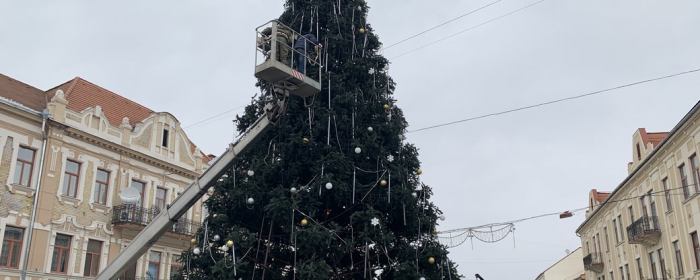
[[61, 254], [667, 193], [652, 262], [631, 215], [101, 183], [595, 245], [153, 266], [627, 269], [92, 258], [622, 273], [139, 186], [696, 173], [70, 179], [684, 181], [160, 198], [679, 259], [619, 222], [617, 235], [23, 167], [166, 135], [11, 247], [175, 265], [696, 249], [639, 266], [607, 244], [662, 263]]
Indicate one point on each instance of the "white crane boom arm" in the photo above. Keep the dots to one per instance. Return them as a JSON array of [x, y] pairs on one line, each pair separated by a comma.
[[165, 220]]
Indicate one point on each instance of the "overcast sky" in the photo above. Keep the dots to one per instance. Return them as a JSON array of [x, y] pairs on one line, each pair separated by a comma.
[[195, 60]]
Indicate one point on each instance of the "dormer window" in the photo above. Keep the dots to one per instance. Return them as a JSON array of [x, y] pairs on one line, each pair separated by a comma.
[[166, 133], [639, 152]]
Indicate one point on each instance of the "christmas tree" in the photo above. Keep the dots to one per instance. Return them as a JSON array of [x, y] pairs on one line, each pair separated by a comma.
[[332, 191]]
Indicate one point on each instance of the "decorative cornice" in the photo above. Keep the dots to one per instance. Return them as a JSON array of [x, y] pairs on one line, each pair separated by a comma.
[[89, 138]]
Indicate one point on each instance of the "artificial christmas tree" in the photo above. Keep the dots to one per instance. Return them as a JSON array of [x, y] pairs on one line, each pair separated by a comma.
[[332, 191]]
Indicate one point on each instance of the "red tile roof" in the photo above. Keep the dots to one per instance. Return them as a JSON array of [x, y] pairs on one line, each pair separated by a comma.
[[652, 137], [600, 196], [22, 93], [82, 94]]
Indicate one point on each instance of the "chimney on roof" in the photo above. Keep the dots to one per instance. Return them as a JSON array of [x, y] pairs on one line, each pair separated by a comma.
[[57, 107]]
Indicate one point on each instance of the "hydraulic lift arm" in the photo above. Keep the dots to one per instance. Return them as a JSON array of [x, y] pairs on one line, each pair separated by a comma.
[[165, 220]]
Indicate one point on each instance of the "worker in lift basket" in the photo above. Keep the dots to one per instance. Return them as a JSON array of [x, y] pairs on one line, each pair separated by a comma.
[[303, 47], [283, 42]]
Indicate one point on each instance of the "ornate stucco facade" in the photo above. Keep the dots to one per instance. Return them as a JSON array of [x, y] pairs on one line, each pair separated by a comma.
[[81, 224], [647, 227]]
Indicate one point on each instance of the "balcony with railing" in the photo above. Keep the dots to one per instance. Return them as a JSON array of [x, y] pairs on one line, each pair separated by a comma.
[[140, 217], [645, 231], [593, 262]]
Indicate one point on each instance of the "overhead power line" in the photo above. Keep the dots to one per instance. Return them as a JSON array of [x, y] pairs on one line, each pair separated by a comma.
[[554, 101], [421, 33], [470, 28], [490, 225], [199, 122]]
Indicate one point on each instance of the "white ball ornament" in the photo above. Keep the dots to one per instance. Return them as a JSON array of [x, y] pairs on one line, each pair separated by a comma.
[[442, 217], [251, 200], [370, 129], [422, 278], [293, 190], [196, 251], [217, 237], [358, 150], [414, 194], [329, 186], [251, 172]]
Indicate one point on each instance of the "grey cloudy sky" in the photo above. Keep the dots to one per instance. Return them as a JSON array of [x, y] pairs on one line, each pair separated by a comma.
[[195, 60]]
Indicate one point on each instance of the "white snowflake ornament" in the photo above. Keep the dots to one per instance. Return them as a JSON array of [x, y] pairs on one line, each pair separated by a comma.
[[390, 158], [375, 222]]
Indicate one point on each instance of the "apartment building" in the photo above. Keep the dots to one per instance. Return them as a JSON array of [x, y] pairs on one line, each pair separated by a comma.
[[65, 155], [647, 227]]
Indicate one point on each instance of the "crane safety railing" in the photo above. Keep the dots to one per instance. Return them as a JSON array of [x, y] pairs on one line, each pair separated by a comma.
[[277, 41]]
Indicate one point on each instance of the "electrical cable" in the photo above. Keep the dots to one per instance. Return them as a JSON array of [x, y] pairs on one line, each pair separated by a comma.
[[430, 29], [470, 28], [560, 212], [554, 101], [195, 124]]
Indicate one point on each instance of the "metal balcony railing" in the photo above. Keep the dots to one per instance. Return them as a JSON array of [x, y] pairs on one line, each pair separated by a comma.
[[129, 214], [644, 231], [593, 261]]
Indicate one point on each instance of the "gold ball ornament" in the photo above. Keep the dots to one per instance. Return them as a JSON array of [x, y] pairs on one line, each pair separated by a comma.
[[419, 171], [431, 260], [362, 31], [386, 106], [305, 140], [229, 243], [193, 241], [434, 231], [383, 183], [304, 222]]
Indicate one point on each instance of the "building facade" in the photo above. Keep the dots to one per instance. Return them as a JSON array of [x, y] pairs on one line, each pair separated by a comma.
[[65, 154], [647, 227], [568, 268]]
